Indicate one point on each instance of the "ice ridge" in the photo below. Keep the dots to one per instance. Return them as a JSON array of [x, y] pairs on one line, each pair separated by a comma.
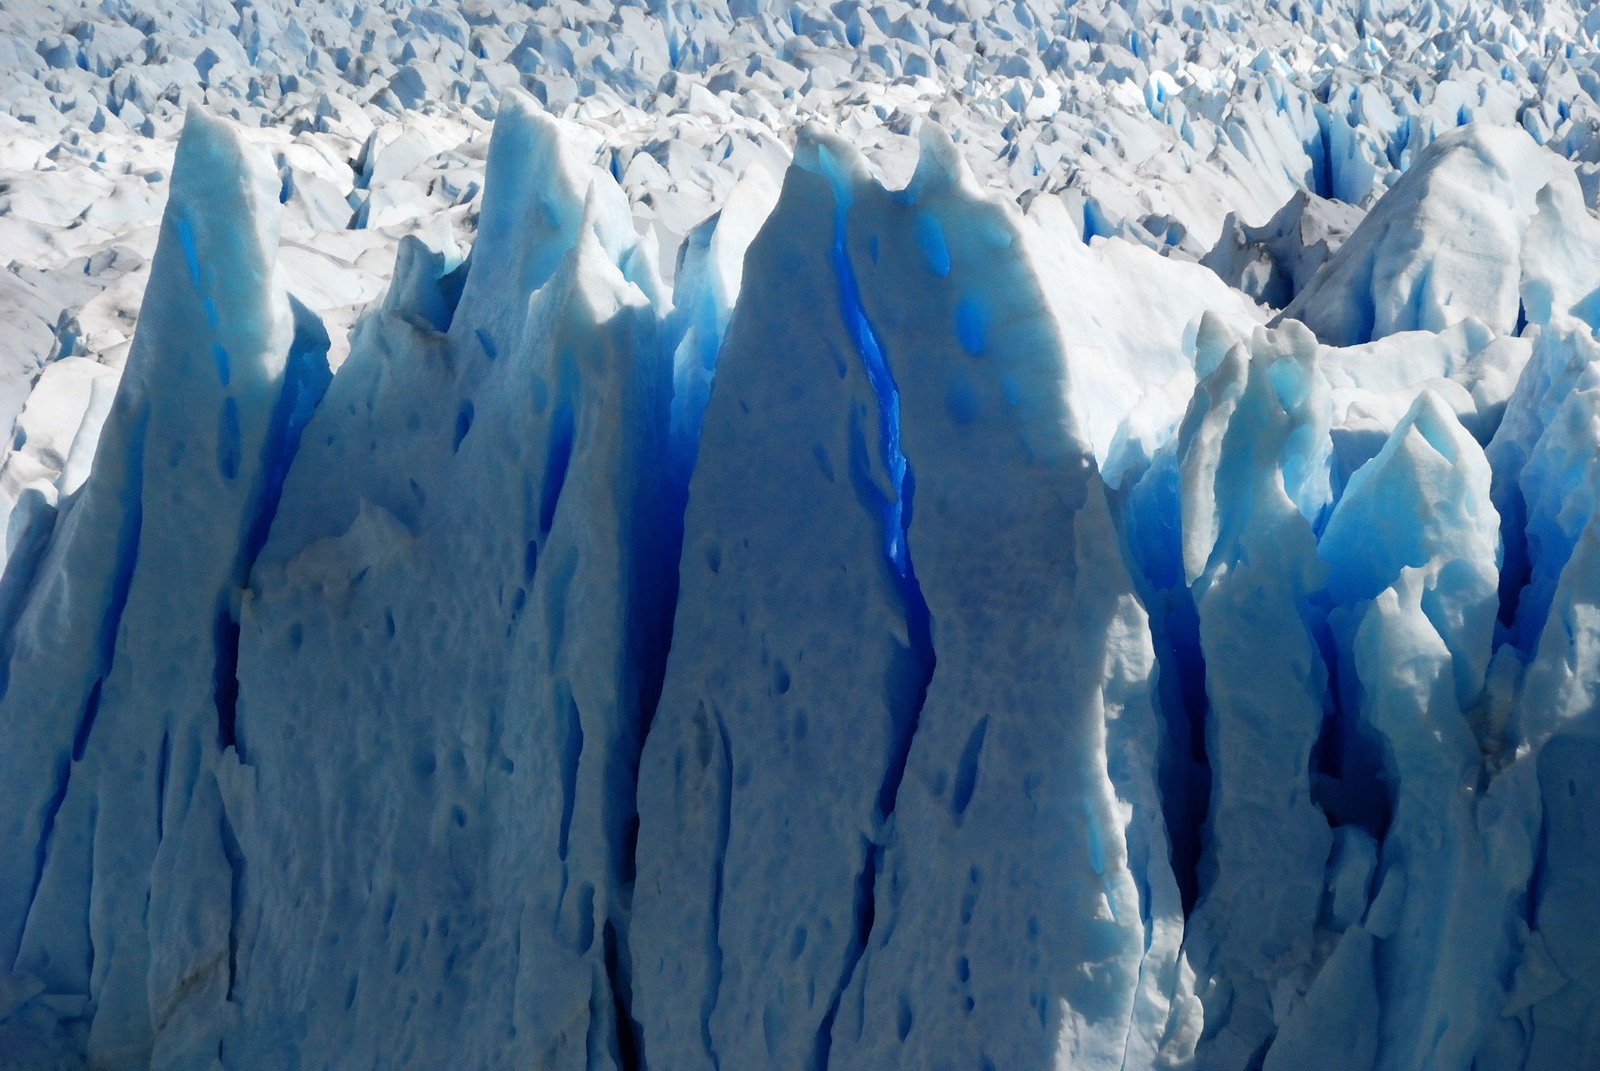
[[909, 637]]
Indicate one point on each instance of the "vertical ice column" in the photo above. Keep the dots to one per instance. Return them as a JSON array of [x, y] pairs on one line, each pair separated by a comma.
[[1552, 1011], [547, 197], [1413, 549], [795, 669], [1024, 915], [1252, 466], [600, 591], [120, 670], [1566, 357], [705, 290], [450, 646]]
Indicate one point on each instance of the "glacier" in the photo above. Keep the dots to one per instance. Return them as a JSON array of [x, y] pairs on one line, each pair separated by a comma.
[[697, 537]]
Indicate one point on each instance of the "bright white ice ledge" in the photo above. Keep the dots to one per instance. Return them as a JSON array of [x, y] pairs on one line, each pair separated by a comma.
[[919, 639]]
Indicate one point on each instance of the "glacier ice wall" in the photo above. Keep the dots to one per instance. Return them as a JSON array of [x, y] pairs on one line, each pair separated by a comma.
[[915, 638], [122, 863]]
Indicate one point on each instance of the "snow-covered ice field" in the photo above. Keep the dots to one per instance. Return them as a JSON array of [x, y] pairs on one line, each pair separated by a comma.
[[980, 535]]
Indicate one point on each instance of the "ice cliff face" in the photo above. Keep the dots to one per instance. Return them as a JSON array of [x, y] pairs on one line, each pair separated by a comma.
[[494, 704], [919, 633]]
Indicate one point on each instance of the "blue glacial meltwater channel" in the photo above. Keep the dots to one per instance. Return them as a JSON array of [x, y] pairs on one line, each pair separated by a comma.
[[905, 707]]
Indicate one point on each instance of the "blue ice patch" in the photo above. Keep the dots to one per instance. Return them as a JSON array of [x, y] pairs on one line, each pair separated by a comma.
[[972, 324], [929, 233]]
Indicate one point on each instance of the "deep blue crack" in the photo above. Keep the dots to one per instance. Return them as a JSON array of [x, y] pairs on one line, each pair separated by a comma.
[[908, 697], [305, 379], [234, 855], [724, 826], [464, 417], [571, 754], [131, 498], [163, 770], [563, 431], [225, 677]]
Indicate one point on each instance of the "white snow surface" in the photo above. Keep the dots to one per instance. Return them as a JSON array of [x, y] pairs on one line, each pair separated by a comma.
[[975, 535]]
